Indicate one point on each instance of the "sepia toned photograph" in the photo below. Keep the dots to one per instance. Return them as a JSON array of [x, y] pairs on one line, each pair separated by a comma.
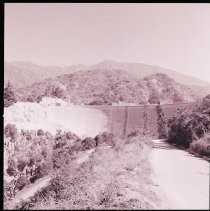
[[106, 106]]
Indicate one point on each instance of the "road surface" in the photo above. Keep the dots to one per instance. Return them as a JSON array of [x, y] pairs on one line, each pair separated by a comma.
[[181, 179]]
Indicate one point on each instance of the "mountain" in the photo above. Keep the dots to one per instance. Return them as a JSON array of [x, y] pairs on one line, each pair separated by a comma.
[[23, 74], [109, 86], [166, 90], [141, 70]]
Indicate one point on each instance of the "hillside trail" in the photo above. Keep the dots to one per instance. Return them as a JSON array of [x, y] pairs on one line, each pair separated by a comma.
[[181, 179], [28, 192]]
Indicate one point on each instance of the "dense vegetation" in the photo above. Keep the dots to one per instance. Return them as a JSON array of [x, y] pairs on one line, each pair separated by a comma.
[[101, 182], [190, 128], [30, 155], [97, 87]]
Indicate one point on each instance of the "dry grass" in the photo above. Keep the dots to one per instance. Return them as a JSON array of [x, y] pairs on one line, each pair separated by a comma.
[[113, 178]]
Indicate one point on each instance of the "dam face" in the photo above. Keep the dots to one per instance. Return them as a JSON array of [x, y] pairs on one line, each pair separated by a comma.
[[122, 120], [87, 120]]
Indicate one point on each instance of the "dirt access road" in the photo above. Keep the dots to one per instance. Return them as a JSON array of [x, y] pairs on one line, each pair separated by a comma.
[[181, 179]]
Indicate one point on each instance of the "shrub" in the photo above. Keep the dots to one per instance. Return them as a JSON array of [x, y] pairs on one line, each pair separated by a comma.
[[21, 165], [39, 99], [10, 131], [31, 98], [188, 125], [60, 157], [9, 95], [77, 146], [154, 97], [201, 146], [177, 98], [21, 182], [58, 92], [206, 102], [40, 132], [11, 170], [134, 133], [105, 137], [97, 102], [99, 139], [72, 136], [88, 143]]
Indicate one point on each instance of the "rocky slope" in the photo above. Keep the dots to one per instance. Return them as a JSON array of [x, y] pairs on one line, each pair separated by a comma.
[[49, 116]]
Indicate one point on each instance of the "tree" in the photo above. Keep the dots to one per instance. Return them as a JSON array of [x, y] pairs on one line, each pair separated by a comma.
[[189, 124], [205, 105], [154, 97], [177, 98], [9, 95], [11, 132], [58, 92], [161, 122], [146, 117], [39, 98]]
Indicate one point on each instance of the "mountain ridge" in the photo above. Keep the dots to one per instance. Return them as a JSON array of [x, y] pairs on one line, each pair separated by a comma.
[[100, 86], [22, 74]]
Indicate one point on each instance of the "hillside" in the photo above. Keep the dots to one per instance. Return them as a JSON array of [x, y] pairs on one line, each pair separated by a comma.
[[97, 87], [23, 74], [142, 70]]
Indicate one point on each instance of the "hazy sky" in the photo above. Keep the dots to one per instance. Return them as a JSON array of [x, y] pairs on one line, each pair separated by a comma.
[[175, 36]]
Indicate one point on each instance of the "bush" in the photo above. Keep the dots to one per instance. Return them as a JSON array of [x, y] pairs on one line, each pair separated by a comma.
[[72, 136], [22, 181], [10, 131], [201, 146], [105, 137], [97, 102], [188, 125], [21, 165], [206, 102], [88, 143], [9, 95], [58, 92], [39, 99], [154, 97], [177, 98], [31, 98], [40, 132], [99, 139], [11, 170], [77, 146], [134, 133]]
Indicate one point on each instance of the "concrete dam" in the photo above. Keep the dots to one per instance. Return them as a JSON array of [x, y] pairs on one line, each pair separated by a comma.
[[86, 120], [122, 120]]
